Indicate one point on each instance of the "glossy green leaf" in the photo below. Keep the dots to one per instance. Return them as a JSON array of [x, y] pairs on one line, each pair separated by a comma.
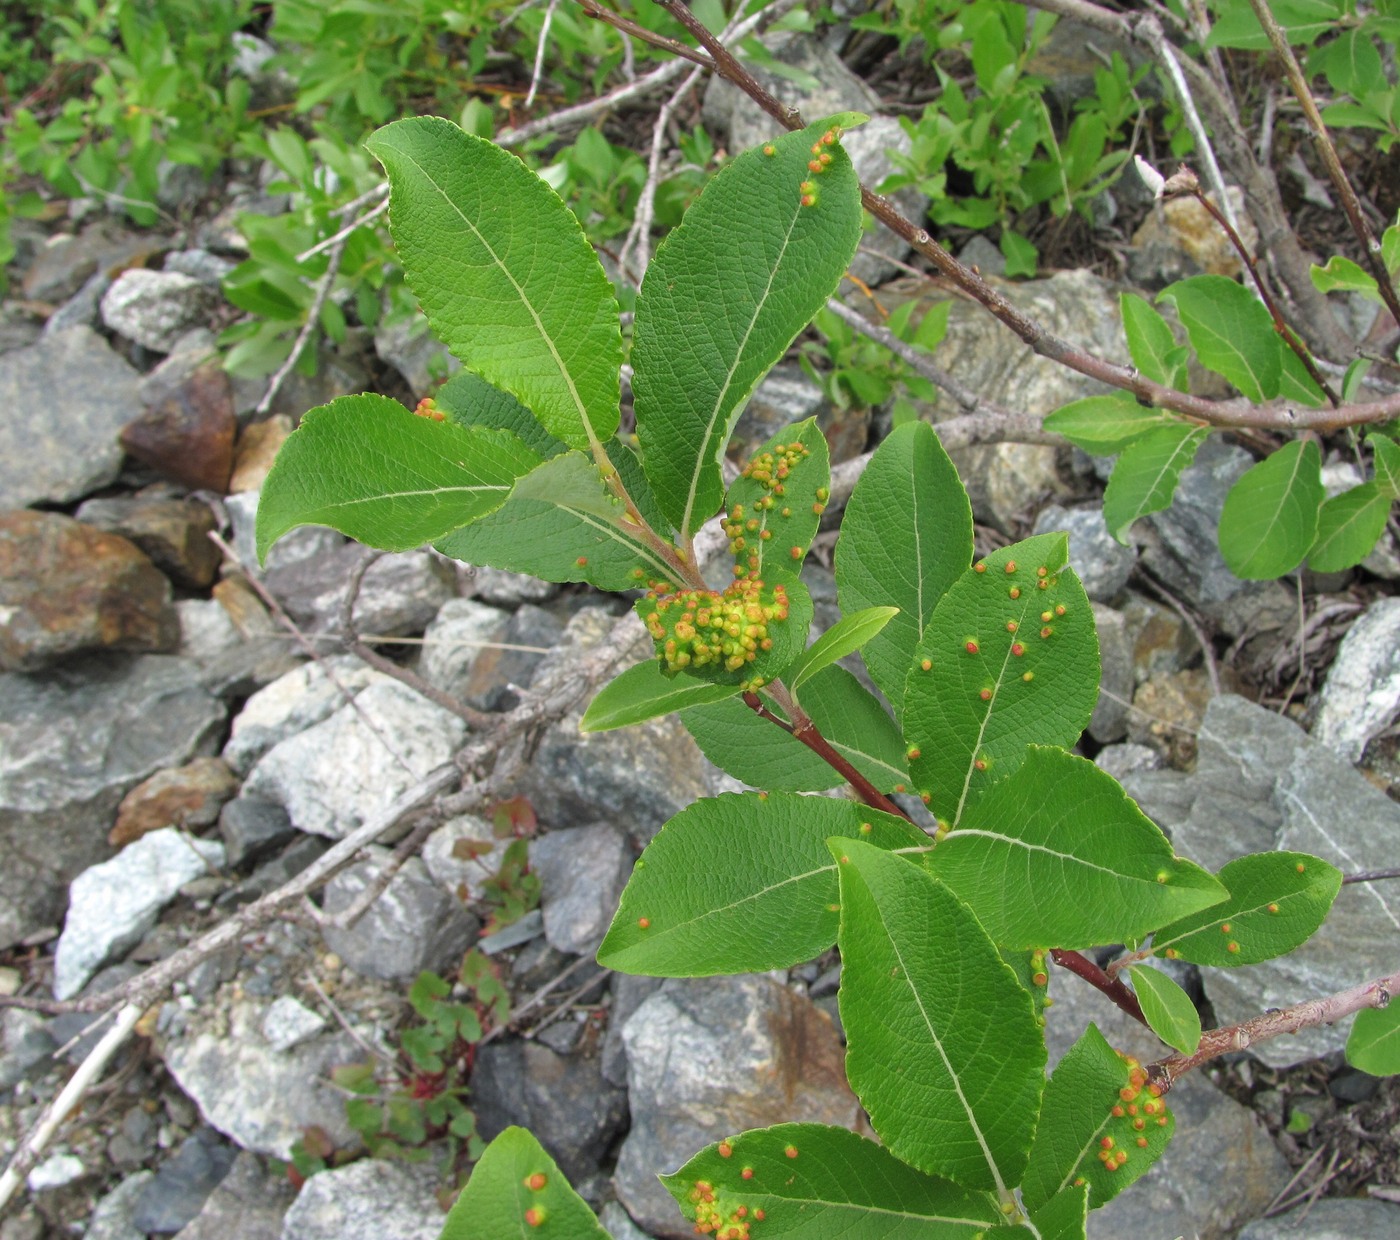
[[774, 507], [1348, 527], [1342, 275], [1270, 517], [1077, 1117], [1144, 477], [1065, 1216], [1003, 673], [1387, 456], [366, 466], [1151, 344], [561, 523], [1104, 425], [468, 400], [1168, 1008], [763, 755], [643, 692], [1374, 1043], [501, 1200], [1231, 332], [813, 1182], [740, 883], [725, 295], [905, 538], [844, 637], [504, 273], [921, 986], [1277, 901], [1058, 855]]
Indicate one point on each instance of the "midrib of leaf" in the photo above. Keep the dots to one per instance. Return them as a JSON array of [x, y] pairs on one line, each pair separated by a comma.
[[1305, 893], [716, 910], [524, 300], [864, 1211], [641, 549], [981, 732], [1146, 497], [729, 377], [1388, 1036], [1265, 532], [982, 833], [381, 496], [1083, 1152], [1233, 348], [1357, 515]]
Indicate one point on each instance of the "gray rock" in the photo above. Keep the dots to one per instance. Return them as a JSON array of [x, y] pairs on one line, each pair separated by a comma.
[[80, 310], [248, 1204], [260, 1097], [1162, 644], [785, 395], [58, 450], [458, 634], [1128, 759], [618, 1223], [26, 1046], [353, 764], [368, 1200], [582, 874], [409, 346], [281, 869], [58, 1169], [183, 1183], [173, 532], [1109, 721], [506, 589], [79, 1032], [252, 828], [18, 328], [207, 632], [306, 545], [289, 1023], [73, 742], [414, 925], [199, 265], [112, 905], [399, 594], [628, 991], [67, 261], [1361, 696], [155, 308], [712, 1057], [983, 255], [112, 1217], [1332, 1218], [1102, 562], [463, 853], [498, 671], [870, 146]]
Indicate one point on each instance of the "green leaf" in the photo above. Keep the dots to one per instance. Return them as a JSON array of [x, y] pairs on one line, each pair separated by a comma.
[[561, 523], [1387, 457], [498, 1199], [643, 692], [366, 466], [1231, 332], [1341, 275], [1104, 425], [1353, 65], [1065, 1216], [921, 987], [725, 295], [1000, 675], [762, 755], [1168, 1008], [1276, 903], [1374, 1044], [1348, 527], [848, 634], [1145, 476], [1150, 342], [740, 883], [1088, 1084], [1058, 855], [905, 538], [504, 273], [1270, 516], [1303, 20], [468, 400], [813, 1182]]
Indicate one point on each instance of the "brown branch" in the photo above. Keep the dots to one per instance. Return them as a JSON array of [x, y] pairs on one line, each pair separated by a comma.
[[1082, 966], [1370, 876]]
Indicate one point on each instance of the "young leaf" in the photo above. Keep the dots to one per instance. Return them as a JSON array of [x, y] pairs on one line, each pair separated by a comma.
[[1009, 659], [1057, 854], [367, 467], [1168, 1008], [468, 400], [517, 1192], [1065, 1216], [1103, 425], [643, 692], [1090, 1084], [812, 1182], [905, 538], [722, 300], [1270, 516], [921, 985], [1348, 526], [1231, 332], [1374, 1044], [848, 634], [561, 523], [1276, 903], [1150, 342], [1387, 454], [504, 273], [740, 883], [761, 755], [1341, 275], [1144, 478]]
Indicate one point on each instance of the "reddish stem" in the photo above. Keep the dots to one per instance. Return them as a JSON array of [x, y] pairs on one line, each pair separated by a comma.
[[1082, 966]]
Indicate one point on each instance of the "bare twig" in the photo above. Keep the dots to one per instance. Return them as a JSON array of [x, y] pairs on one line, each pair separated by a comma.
[[1370, 876], [407, 847], [539, 53], [382, 193], [308, 328]]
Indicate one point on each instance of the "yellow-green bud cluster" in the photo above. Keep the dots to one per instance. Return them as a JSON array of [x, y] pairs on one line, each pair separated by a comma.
[[698, 629]]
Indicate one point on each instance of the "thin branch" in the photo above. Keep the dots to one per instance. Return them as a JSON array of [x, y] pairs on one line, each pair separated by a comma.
[[407, 848], [539, 54], [1111, 987], [1370, 876], [382, 193], [308, 328]]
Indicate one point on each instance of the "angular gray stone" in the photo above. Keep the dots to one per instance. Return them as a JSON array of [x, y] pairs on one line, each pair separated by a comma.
[[248, 1204], [112, 1217], [288, 1023], [251, 829], [199, 265], [412, 926], [73, 742], [1332, 1218], [1109, 721], [183, 1183], [409, 346], [458, 634], [351, 765], [1361, 696], [712, 1057], [462, 871], [399, 594], [111, 906], [26, 1046], [156, 308], [1102, 562], [582, 874], [67, 398], [506, 589], [498, 671], [368, 1200], [66, 261], [618, 1223]]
